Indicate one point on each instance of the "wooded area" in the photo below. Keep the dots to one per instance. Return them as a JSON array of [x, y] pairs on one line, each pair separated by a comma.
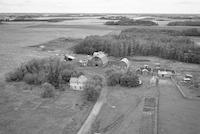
[[168, 44]]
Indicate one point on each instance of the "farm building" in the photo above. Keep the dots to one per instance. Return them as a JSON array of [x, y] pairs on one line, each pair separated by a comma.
[[188, 76], [68, 57], [125, 62], [121, 65], [186, 79], [78, 83], [157, 65], [83, 62], [164, 73], [145, 70], [99, 59]]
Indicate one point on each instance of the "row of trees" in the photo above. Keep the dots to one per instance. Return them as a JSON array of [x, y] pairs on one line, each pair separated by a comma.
[[184, 23], [168, 44], [47, 70], [131, 22]]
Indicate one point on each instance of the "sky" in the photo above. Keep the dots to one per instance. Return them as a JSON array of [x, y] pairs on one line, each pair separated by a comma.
[[100, 6]]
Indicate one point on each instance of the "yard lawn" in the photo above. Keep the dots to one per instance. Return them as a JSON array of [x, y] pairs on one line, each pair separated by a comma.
[[122, 112], [188, 87], [23, 111]]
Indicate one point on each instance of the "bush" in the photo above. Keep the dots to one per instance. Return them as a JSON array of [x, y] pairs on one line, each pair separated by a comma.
[[30, 78], [129, 80], [16, 75], [91, 93], [66, 75], [93, 88], [114, 79], [96, 81], [48, 90]]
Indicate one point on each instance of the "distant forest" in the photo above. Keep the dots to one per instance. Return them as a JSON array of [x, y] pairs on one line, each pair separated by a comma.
[[131, 22], [184, 23], [168, 44]]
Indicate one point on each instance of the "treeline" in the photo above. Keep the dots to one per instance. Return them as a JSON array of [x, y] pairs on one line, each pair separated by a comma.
[[40, 71], [184, 23], [113, 17], [131, 22], [166, 44]]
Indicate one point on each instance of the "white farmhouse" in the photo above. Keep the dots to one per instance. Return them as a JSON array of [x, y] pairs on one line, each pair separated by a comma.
[[78, 83]]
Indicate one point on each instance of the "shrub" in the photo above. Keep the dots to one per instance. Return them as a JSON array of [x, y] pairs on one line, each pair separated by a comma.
[[30, 78], [109, 72], [66, 75], [91, 93], [35, 78], [16, 75], [93, 88], [48, 90], [114, 79], [97, 81], [129, 80]]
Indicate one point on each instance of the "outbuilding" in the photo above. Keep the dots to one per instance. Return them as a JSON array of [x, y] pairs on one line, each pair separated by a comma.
[[126, 63], [164, 74], [99, 59], [145, 72], [68, 57]]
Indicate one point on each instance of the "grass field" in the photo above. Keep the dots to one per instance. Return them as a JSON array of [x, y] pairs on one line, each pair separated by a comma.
[[24, 112]]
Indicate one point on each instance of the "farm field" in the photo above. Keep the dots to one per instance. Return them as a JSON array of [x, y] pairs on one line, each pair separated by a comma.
[[24, 112]]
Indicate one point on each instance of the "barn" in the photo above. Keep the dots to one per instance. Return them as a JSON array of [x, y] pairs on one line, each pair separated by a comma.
[[99, 59], [125, 62], [121, 65], [78, 83]]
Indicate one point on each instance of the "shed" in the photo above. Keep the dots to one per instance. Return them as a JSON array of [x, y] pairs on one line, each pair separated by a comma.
[[78, 83], [126, 61], [99, 59], [164, 73], [83, 62], [186, 79], [69, 57], [145, 72], [188, 76]]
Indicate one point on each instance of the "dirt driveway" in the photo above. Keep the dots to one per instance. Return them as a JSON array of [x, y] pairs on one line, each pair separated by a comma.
[[176, 114]]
